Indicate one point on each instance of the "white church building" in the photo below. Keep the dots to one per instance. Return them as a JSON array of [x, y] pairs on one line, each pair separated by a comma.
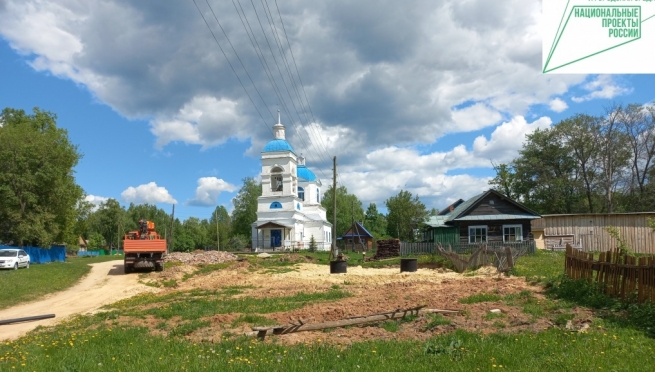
[[289, 212]]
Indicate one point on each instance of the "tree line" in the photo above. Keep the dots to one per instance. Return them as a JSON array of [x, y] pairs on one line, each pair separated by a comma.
[[586, 164], [41, 204]]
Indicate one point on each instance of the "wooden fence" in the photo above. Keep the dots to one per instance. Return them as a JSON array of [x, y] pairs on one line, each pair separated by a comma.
[[406, 249], [619, 275]]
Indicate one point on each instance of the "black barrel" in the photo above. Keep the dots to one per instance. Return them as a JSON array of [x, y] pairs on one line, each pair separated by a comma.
[[338, 267], [408, 265]]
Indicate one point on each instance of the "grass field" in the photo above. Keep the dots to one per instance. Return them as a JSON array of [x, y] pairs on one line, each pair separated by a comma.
[[110, 341], [40, 279]]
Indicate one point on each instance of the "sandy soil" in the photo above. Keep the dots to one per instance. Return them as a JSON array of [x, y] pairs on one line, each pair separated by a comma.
[[375, 291], [105, 284]]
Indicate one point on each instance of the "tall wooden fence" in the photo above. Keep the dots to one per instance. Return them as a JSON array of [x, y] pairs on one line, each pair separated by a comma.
[[528, 247], [619, 275]]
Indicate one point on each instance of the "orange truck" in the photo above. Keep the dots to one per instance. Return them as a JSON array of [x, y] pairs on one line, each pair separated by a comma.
[[144, 248]]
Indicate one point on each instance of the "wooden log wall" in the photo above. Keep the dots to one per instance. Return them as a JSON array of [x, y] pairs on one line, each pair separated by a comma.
[[387, 249], [619, 275]]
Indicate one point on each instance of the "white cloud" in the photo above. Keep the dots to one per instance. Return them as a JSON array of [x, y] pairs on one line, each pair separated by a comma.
[[507, 139], [148, 193], [204, 120], [602, 87], [383, 65], [558, 105], [474, 117], [95, 200], [208, 190], [394, 168]]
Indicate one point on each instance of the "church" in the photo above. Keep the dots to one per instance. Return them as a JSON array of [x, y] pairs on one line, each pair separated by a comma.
[[289, 212]]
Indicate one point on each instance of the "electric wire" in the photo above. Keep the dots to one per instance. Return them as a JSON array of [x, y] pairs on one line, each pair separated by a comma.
[[232, 67], [269, 17], [300, 79], [281, 76], [239, 58]]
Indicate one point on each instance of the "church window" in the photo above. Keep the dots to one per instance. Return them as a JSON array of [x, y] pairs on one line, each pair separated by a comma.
[[301, 193], [276, 179], [318, 195], [298, 206], [276, 205]]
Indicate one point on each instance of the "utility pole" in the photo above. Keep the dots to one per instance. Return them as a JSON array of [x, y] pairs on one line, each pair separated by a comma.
[[218, 241], [170, 246], [118, 236], [334, 210]]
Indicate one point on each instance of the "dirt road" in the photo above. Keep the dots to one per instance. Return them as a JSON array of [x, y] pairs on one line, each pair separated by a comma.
[[105, 284]]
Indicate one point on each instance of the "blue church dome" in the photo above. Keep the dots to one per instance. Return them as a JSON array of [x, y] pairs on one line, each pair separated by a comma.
[[306, 174], [278, 145]]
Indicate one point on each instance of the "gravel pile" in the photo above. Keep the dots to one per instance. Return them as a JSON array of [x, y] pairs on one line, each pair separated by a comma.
[[200, 258]]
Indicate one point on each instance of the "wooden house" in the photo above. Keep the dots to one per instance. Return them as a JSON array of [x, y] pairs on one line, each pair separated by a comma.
[[588, 231], [490, 218], [357, 238]]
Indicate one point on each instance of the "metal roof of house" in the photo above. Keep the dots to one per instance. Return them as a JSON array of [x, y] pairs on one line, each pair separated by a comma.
[[492, 217], [442, 220], [361, 231], [437, 221]]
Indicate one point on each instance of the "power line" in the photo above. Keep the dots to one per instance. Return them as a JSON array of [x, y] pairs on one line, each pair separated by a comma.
[[232, 67], [237, 54], [316, 135], [269, 17], [299, 78], [281, 75]]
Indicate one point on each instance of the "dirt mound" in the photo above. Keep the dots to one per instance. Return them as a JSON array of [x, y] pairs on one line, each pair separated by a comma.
[[200, 257]]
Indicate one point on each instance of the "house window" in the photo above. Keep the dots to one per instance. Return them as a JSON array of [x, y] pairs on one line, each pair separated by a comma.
[[477, 234], [276, 205], [301, 193], [512, 233]]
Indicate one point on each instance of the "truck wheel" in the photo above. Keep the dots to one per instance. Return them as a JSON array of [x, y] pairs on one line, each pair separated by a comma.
[[127, 269], [159, 267]]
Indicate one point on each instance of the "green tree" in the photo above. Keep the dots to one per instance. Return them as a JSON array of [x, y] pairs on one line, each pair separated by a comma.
[[83, 213], [148, 212], [221, 221], [96, 241], [406, 215], [548, 177], [245, 207], [349, 208], [312, 244], [375, 222], [108, 219], [506, 181], [580, 137], [38, 192]]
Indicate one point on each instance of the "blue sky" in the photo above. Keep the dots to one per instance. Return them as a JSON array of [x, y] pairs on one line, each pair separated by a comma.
[[149, 98]]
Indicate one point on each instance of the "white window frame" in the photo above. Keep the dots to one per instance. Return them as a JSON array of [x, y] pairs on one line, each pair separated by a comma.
[[519, 236], [486, 233]]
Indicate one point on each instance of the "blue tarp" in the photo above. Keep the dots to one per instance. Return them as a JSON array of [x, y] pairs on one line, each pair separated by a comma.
[[41, 255]]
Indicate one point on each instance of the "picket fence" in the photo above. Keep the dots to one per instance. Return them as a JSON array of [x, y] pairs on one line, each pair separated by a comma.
[[619, 275]]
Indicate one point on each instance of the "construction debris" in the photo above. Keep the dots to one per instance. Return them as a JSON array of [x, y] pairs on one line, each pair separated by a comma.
[[264, 255], [302, 325], [201, 258]]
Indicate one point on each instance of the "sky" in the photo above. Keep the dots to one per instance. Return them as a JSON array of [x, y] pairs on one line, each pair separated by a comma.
[[171, 103]]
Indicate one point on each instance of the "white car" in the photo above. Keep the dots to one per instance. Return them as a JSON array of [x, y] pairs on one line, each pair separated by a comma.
[[13, 259]]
